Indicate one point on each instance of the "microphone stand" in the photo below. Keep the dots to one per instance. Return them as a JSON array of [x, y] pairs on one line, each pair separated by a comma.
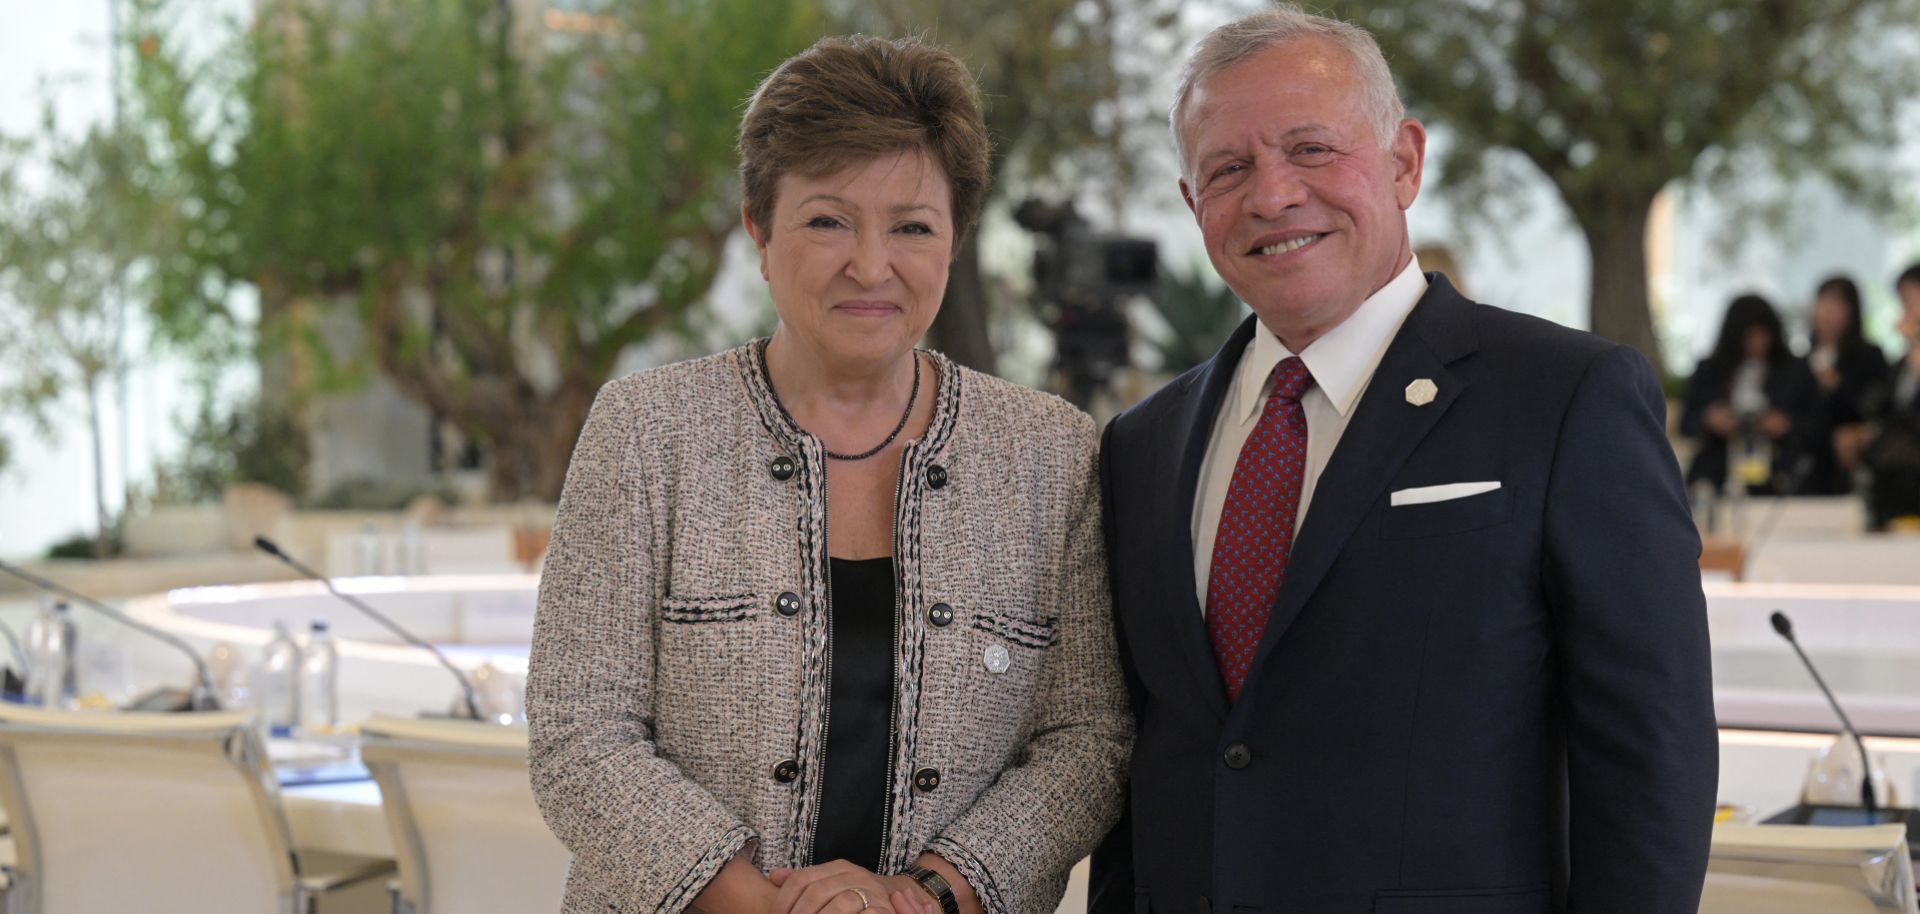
[[1867, 799], [13, 642], [1795, 481], [199, 698], [466, 688]]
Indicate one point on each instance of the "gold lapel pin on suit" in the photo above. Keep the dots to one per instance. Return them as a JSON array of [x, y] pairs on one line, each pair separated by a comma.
[[1421, 392]]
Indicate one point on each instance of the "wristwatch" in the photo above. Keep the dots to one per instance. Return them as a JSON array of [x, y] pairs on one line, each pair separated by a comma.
[[936, 885]]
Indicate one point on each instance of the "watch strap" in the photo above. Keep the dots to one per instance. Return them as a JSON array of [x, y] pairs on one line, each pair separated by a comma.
[[936, 885]]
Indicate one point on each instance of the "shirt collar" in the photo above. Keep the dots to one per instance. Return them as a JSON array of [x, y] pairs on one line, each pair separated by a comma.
[[1343, 358]]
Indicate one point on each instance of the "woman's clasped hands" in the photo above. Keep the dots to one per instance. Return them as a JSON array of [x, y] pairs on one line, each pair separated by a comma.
[[840, 887]]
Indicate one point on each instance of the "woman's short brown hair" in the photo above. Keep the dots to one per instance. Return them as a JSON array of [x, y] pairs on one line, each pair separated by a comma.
[[846, 101]]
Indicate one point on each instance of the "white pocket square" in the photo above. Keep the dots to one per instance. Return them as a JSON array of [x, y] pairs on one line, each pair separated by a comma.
[[1426, 495]]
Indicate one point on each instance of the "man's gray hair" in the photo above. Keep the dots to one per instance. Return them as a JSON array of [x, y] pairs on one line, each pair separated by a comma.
[[1249, 35]]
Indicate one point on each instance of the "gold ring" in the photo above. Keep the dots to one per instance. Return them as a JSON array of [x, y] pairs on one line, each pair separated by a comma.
[[864, 902]]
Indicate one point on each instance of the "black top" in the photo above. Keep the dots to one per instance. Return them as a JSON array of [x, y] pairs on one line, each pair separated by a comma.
[[854, 791], [1789, 388], [1865, 381]]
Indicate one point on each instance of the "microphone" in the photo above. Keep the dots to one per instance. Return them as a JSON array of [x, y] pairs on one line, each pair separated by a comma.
[[1796, 479], [1867, 800], [466, 688], [200, 698]]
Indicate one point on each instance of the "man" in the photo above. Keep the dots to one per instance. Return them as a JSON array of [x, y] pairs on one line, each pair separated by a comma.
[[1406, 585], [1893, 448]]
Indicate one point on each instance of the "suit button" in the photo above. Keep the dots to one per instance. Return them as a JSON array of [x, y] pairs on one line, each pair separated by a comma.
[[787, 604], [926, 780], [782, 468], [787, 771], [941, 615], [937, 476], [1239, 756]]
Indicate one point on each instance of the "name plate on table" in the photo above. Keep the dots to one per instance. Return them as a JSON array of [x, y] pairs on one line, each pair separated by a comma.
[[1821, 814]]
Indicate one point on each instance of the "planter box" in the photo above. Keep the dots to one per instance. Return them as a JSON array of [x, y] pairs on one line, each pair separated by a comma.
[[177, 530]]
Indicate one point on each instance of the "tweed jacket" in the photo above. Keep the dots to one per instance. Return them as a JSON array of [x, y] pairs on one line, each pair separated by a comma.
[[677, 690]]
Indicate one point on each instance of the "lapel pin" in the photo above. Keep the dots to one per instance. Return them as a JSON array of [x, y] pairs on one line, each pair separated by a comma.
[[1421, 392], [997, 659]]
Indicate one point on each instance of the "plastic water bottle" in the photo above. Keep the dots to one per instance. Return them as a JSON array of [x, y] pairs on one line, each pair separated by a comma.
[[319, 681], [276, 682], [53, 650], [368, 557], [413, 550]]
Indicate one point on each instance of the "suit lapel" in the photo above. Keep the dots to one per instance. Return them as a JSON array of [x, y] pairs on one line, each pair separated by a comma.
[[1188, 431], [1382, 434]]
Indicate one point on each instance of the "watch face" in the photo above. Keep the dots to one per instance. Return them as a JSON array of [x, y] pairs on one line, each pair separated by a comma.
[[936, 885]]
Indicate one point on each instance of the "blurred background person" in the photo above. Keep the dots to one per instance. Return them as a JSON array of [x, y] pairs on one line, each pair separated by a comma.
[[1849, 376], [1891, 450], [1745, 404]]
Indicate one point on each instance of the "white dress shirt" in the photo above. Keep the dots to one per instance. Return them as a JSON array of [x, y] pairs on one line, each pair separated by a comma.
[[1341, 362]]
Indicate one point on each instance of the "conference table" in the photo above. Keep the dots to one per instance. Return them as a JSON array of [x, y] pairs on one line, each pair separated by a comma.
[[1761, 772], [1866, 636]]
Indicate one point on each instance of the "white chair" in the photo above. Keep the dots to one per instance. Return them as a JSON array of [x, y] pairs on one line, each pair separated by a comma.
[[149, 813], [465, 828], [1790, 869]]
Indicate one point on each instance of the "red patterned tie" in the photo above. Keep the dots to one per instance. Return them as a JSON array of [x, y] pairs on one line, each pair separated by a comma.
[[1256, 526]]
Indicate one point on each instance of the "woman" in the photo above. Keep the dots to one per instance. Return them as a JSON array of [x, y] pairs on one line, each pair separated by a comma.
[[1850, 375], [1746, 404], [824, 625]]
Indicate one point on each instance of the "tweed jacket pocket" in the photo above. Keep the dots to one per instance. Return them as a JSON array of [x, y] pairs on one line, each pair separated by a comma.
[[696, 610], [1001, 653], [1015, 629]]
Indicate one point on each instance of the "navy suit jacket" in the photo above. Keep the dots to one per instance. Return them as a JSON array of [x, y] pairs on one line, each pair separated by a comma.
[[1499, 704]]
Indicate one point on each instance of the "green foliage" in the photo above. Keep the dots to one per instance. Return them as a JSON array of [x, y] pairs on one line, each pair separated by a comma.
[[382, 495], [1612, 100], [87, 546], [1057, 87], [257, 441], [64, 252], [507, 203], [75, 233], [1608, 94], [1199, 311]]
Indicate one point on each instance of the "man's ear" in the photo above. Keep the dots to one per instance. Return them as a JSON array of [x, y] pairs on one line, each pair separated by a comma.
[[1186, 193], [1409, 151], [759, 243]]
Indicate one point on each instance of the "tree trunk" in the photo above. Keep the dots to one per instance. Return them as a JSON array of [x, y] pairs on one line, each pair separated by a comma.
[[530, 459], [102, 526], [960, 330], [1620, 308]]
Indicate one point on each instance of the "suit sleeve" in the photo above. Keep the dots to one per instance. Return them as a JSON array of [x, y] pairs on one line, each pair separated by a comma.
[[1623, 580], [643, 834], [1021, 838], [1110, 888]]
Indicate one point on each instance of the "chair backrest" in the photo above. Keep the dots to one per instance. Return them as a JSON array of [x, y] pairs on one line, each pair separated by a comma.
[[466, 832], [157, 813], [1787, 869]]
